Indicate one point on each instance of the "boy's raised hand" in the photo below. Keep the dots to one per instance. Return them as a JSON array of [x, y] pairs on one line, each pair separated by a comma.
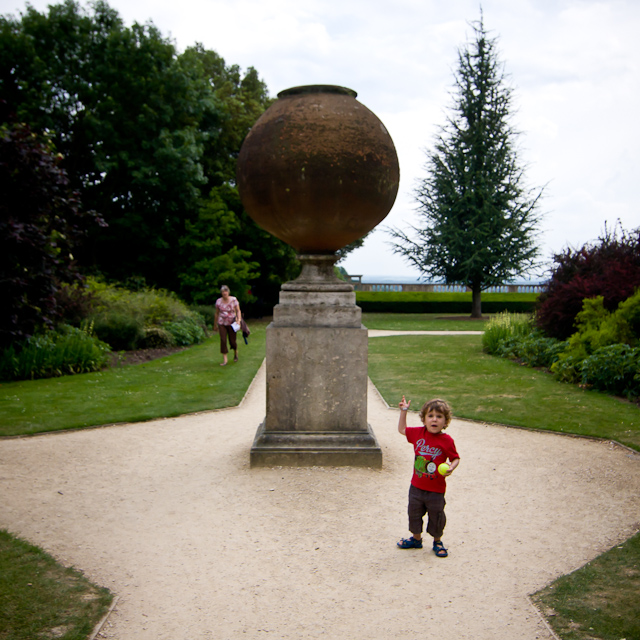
[[402, 419]]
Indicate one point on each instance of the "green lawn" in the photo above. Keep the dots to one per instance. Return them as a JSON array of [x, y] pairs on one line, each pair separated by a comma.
[[479, 386], [599, 601], [185, 382], [421, 322], [491, 389], [39, 598]]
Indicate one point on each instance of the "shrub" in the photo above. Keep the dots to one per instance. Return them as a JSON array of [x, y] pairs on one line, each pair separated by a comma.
[[68, 351], [186, 331], [119, 330], [534, 350], [150, 306], [502, 327], [609, 268], [625, 322], [157, 338], [598, 328], [75, 302], [595, 356], [143, 319], [442, 302], [568, 367], [208, 312], [614, 369]]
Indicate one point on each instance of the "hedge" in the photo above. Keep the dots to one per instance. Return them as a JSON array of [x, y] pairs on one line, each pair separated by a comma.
[[435, 302]]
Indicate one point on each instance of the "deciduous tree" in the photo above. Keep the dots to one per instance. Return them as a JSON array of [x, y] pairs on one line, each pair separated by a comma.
[[41, 223], [150, 139]]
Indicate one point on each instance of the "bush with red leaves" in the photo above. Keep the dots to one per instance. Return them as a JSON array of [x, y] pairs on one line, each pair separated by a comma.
[[40, 222], [609, 267]]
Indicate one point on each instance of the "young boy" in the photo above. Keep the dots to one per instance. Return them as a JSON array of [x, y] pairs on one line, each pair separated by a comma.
[[426, 494]]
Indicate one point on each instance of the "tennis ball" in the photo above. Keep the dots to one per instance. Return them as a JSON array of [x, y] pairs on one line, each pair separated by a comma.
[[443, 468]]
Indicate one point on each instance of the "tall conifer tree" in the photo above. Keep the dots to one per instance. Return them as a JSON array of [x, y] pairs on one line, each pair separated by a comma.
[[479, 220]]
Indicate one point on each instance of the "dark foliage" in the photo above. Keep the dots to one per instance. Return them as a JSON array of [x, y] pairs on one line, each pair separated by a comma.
[[41, 220], [150, 139], [609, 267], [75, 303]]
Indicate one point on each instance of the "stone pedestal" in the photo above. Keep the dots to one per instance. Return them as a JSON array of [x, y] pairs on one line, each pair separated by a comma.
[[316, 376]]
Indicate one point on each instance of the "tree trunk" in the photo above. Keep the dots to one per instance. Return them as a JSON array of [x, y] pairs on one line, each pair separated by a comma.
[[476, 302]]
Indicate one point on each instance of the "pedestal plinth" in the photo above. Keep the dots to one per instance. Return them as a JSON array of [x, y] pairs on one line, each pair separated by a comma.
[[316, 376]]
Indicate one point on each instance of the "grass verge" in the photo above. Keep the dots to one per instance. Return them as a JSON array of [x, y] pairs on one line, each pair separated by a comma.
[[491, 389], [39, 598], [422, 322], [185, 382], [601, 600]]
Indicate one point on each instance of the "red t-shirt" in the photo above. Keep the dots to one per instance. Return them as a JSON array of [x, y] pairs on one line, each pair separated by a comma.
[[430, 451]]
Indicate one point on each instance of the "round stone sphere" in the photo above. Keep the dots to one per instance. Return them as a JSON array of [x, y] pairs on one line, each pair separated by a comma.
[[318, 169]]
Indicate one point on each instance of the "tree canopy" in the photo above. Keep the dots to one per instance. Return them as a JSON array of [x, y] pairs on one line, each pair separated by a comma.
[[478, 220], [149, 138]]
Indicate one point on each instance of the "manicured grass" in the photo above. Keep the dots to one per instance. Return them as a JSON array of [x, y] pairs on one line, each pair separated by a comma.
[[491, 389], [41, 599], [421, 322], [600, 600], [185, 382]]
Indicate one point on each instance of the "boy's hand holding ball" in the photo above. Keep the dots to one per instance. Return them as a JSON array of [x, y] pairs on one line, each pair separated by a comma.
[[444, 469]]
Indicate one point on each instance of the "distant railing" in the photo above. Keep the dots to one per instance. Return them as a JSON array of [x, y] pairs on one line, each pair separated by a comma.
[[448, 288]]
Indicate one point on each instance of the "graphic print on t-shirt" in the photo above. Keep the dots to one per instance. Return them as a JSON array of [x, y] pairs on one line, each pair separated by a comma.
[[423, 452]]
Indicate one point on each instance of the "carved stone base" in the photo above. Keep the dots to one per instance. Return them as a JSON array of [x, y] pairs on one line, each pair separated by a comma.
[[315, 448], [316, 375]]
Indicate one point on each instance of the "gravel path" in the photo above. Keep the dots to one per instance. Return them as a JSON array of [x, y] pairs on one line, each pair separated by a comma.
[[198, 546]]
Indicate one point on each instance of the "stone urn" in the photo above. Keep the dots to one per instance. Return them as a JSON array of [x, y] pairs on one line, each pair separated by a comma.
[[318, 169]]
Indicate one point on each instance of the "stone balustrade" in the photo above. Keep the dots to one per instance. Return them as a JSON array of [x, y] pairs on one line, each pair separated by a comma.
[[444, 288]]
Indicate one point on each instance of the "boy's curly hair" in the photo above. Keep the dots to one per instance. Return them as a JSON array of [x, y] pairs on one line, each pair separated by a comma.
[[441, 406]]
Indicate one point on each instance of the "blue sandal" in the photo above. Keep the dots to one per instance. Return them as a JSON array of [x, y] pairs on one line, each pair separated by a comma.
[[410, 543], [439, 550]]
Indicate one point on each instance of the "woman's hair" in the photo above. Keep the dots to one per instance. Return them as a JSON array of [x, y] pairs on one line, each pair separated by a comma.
[[224, 288], [441, 406]]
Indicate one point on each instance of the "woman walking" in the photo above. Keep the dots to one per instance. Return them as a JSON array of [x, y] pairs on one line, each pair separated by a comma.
[[227, 312]]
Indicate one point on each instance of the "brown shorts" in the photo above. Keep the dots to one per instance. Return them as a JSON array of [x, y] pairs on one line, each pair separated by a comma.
[[226, 330], [430, 503]]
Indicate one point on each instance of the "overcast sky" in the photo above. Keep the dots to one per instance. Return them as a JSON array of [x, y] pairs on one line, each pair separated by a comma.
[[574, 65]]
